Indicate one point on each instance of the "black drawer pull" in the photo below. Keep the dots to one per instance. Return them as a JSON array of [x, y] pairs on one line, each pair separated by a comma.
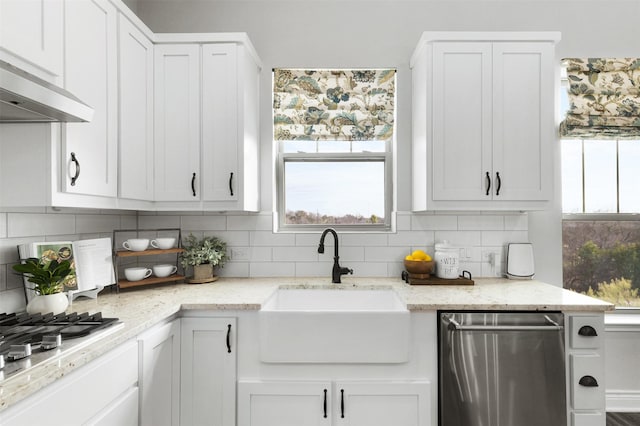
[[342, 403], [229, 338], [231, 184], [587, 331], [499, 183], [588, 381], [193, 184]]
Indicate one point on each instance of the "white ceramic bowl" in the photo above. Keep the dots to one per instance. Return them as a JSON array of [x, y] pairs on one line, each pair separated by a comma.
[[137, 273], [163, 243], [136, 244], [164, 270]]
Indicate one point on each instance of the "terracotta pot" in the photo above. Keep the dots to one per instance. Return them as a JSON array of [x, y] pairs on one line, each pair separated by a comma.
[[42, 304], [202, 272]]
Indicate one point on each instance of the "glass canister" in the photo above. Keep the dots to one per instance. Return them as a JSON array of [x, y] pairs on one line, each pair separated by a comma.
[[447, 260]]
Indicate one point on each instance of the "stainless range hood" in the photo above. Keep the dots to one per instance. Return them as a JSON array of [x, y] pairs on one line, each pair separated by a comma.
[[25, 98]]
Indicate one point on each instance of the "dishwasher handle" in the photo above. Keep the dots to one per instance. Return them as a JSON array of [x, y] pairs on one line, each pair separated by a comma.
[[456, 326]]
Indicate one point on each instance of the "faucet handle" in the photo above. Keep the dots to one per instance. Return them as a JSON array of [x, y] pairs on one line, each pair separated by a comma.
[[346, 271]]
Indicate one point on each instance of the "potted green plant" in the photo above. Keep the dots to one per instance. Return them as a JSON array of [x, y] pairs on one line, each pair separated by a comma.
[[203, 255], [48, 277]]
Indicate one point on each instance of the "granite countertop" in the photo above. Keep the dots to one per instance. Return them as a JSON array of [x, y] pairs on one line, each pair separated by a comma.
[[142, 308]]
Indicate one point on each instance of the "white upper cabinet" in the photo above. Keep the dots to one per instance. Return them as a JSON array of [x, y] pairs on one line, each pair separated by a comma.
[[135, 112], [177, 122], [483, 123], [89, 150], [206, 127], [31, 35]]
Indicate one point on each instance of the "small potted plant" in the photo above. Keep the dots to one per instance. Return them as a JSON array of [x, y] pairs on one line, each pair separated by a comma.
[[48, 277], [203, 255]]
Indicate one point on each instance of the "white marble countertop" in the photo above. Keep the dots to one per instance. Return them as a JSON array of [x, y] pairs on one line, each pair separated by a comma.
[[142, 308]]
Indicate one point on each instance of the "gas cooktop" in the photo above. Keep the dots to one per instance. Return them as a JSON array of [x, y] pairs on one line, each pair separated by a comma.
[[27, 340]]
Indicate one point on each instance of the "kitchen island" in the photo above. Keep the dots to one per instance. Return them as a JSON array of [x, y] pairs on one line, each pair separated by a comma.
[[140, 310]]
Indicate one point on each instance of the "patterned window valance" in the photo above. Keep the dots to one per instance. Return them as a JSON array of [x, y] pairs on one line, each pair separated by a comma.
[[604, 98], [351, 105]]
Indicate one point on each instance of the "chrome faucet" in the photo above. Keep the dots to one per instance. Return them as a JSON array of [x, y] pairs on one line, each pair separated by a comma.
[[337, 270]]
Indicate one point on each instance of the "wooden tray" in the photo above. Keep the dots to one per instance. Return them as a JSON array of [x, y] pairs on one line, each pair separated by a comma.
[[439, 281]]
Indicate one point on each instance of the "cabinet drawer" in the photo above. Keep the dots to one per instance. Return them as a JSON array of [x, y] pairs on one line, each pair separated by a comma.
[[95, 387], [595, 418], [586, 331], [587, 382]]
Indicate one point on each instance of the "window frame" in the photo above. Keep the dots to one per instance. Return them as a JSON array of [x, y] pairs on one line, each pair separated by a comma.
[[382, 156]]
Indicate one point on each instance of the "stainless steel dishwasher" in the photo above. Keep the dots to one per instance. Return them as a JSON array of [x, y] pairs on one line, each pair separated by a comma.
[[501, 369]]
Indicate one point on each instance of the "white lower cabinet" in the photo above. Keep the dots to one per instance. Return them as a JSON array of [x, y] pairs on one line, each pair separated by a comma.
[[160, 375], [352, 403], [585, 369], [104, 392], [208, 372]]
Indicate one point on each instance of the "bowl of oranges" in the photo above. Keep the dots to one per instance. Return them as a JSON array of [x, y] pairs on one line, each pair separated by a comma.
[[419, 262]]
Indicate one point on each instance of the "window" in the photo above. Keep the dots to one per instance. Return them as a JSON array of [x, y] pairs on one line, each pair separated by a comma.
[[334, 135], [601, 224]]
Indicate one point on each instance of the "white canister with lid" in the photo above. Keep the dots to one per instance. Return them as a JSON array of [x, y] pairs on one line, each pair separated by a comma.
[[447, 260]]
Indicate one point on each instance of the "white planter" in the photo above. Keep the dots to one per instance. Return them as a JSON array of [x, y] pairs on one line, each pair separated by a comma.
[[56, 303]]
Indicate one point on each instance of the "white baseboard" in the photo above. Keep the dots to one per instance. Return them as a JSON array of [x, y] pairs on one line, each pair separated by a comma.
[[623, 401]]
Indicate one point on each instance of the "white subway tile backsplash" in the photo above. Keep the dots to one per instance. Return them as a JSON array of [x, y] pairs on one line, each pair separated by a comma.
[[234, 269], [502, 238], [232, 238], [3, 225], [268, 238], [156, 222], [252, 222], [384, 254], [460, 238], [272, 269], [434, 223], [519, 222], [203, 223], [366, 269], [263, 253], [403, 221], [294, 254], [363, 240], [411, 238], [92, 223], [33, 224], [12, 300], [347, 254], [314, 269], [311, 240], [475, 223], [3, 278]]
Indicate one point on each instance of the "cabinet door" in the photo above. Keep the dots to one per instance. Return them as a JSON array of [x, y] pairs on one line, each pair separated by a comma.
[[461, 149], [135, 111], [523, 120], [160, 376], [32, 31], [220, 174], [208, 370], [284, 403], [90, 73], [382, 404], [177, 123]]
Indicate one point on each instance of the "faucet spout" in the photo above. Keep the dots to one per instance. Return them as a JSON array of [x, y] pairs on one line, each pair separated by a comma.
[[337, 271]]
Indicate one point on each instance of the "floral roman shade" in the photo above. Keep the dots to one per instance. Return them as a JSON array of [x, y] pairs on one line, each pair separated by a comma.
[[604, 98], [347, 105]]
